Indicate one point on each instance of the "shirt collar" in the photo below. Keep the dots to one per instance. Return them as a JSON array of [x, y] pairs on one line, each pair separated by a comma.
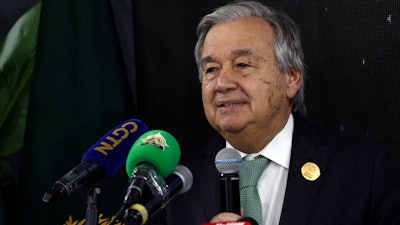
[[278, 149]]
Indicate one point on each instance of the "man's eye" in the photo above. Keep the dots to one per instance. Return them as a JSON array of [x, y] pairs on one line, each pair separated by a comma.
[[210, 70], [242, 65]]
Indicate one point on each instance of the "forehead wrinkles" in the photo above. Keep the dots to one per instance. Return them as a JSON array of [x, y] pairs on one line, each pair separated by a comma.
[[233, 54]]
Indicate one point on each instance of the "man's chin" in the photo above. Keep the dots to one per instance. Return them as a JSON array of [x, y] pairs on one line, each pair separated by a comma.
[[230, 128]]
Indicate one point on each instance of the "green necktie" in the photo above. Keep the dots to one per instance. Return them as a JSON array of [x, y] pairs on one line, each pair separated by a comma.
[[249, 173]]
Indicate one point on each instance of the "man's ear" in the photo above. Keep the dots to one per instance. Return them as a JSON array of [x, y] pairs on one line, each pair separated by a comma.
[[293, 81]]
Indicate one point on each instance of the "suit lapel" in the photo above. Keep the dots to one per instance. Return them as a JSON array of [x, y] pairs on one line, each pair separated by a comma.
[[301, 193]]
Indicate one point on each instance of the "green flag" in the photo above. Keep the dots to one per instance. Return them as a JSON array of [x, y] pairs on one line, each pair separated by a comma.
[[79, 92], [17, 57]]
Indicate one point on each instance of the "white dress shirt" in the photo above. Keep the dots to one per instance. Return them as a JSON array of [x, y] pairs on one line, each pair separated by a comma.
[[272, 183]]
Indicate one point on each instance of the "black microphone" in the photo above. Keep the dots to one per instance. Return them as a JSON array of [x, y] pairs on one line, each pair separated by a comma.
[[179, 182], [249, 219], [103, 159], [228, 162]]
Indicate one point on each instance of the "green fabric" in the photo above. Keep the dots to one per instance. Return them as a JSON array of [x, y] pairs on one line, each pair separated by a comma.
[[79, 92], [249, 173], [17, 56]]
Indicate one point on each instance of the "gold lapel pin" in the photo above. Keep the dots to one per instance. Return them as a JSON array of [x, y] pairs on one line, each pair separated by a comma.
[[310, 171]]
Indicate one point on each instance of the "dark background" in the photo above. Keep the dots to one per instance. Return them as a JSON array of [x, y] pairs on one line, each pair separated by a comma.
[[352, 53]]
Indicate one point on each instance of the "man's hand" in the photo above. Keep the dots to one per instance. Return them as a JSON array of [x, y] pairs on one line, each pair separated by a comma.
[[225, 217]]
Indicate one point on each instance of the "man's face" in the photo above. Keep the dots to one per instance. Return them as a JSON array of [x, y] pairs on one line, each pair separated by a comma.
[[243, 91]]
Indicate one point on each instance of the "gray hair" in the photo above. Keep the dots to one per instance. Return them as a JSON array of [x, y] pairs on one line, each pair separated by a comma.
[[288, 49]]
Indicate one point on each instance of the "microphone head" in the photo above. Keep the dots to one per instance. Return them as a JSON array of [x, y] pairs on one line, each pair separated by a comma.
[[112, 149], [186, 176], [228, 161], [156, 147]]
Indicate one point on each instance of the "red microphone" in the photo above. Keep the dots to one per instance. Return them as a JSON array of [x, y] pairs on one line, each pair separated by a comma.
[[242, 221], [229, 223]]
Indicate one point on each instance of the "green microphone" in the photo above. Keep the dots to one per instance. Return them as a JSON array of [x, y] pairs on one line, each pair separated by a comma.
[[153, 156]]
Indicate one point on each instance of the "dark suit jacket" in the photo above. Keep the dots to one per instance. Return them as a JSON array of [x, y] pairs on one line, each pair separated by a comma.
[[356, 186]]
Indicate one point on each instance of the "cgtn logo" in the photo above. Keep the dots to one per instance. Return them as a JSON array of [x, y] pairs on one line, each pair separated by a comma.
[[114, 138]]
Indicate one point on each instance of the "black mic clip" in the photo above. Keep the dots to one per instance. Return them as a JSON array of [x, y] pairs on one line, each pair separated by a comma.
[[179, 182], [143, 175]]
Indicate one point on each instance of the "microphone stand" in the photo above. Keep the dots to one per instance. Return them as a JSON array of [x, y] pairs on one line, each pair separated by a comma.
[[93, 200]]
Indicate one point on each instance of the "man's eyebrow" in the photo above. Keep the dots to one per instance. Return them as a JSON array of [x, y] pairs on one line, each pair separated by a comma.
[[241, 52], [234, 54], [207, 59]]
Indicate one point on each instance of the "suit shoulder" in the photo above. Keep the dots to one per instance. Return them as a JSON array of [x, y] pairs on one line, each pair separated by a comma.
[[323, 136]]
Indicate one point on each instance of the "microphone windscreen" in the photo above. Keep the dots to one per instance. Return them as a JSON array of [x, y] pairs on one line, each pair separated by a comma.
[[157, 147], [111, 151], [228, 161], [186, 177]]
